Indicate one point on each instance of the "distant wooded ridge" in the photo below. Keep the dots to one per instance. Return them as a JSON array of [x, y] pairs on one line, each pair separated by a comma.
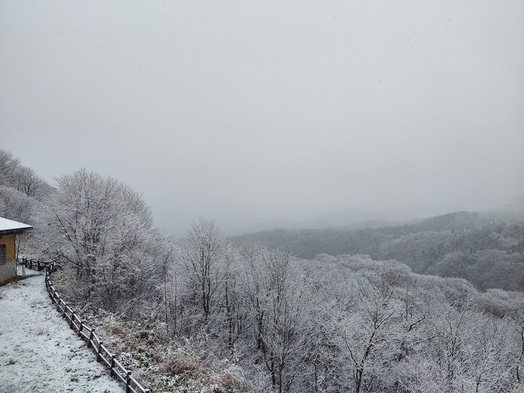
[[484, 248]]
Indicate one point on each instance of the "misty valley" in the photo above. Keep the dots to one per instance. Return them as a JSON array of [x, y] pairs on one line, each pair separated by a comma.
[[433, 305]]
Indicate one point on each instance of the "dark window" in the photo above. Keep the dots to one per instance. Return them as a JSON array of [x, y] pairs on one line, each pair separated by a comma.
[[2, 254]]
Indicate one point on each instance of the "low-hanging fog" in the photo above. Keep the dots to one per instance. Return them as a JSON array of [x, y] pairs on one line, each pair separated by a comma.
[[285, 113]]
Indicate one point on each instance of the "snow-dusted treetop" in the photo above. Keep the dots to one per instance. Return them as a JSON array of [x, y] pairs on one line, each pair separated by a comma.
[[10, 225]]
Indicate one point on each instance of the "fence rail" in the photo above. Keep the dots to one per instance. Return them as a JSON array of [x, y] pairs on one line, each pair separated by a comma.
[[103, 355], [33, 264]]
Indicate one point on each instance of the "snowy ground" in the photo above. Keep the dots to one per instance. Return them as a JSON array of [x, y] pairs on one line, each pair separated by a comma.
[[38, 350]]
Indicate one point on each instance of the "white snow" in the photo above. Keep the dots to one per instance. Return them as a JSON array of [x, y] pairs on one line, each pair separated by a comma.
[[38, 350], [8, 225]]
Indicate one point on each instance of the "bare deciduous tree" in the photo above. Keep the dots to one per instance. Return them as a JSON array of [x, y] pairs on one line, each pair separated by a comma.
[[203, 257]]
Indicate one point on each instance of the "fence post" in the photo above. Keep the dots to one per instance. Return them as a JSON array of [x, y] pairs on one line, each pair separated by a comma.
[[72, 323], [112, 365], [98, 351], [128, 382], [81, 326], [23, 270], [91, 338]]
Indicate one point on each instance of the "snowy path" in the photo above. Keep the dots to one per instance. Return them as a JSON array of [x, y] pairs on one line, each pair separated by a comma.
[[38, 350]]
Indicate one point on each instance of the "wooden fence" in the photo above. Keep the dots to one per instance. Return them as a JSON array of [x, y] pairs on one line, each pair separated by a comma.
[[39, 265], [88, 334]]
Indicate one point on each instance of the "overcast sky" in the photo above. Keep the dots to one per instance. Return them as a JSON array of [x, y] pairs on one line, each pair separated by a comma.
[[253, 111]]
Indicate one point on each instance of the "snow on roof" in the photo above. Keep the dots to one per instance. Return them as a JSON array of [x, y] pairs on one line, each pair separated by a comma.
[[10, 225]]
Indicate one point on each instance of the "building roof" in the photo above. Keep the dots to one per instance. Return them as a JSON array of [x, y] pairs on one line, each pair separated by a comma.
[[9, 226]]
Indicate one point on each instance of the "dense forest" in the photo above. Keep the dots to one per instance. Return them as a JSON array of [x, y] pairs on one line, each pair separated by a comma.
[[282, 311], [484, 248]]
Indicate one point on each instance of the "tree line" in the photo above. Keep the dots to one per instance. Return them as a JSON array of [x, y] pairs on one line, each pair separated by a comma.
[[487, 249]]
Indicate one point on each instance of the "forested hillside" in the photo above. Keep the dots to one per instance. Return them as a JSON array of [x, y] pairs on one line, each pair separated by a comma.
[[201, 314], [22, 191], [484, 248]]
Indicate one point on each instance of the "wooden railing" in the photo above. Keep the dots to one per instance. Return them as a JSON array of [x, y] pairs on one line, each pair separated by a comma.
[[32, 264], [103, 355]]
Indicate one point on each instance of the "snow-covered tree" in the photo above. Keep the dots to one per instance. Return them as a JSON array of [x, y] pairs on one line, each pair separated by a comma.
[[274, 289], [204, 257], [8, 166], [103, 228], [16, 205]]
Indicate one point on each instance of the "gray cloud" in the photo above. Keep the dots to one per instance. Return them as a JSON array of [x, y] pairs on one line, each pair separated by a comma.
[[252, 111]]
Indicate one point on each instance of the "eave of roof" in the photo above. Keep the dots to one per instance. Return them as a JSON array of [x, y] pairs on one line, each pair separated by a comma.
[[10, 226]]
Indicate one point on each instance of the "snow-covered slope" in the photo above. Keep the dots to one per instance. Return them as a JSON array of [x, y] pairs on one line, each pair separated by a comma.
[[38, 351]]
